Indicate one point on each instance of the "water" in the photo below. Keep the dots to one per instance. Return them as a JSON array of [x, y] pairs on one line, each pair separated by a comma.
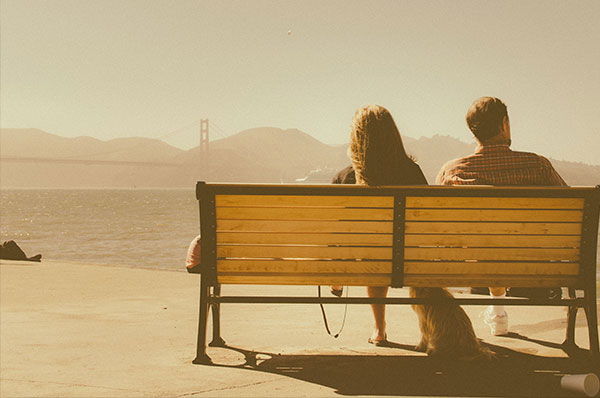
[[140, 228]]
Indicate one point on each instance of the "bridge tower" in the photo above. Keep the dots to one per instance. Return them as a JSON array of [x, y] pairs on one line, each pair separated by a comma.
[[204, 161]]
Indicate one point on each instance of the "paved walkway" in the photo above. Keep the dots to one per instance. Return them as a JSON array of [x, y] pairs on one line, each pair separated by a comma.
[[76, 330]]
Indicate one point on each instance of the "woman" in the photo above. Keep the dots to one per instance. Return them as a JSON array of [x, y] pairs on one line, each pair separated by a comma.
[[378, 158], [192, 259]]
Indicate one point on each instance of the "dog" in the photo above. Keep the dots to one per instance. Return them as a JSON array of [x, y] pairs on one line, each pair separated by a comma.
[[446, 330]]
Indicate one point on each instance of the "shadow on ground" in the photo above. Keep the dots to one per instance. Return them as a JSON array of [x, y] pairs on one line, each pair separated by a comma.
[[511, 373]]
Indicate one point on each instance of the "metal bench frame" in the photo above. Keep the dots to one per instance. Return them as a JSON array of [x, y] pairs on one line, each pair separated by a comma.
[[210, 289]]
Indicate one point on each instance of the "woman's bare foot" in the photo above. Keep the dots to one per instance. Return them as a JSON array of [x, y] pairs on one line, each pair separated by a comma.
[[378, 338], [378, 335]]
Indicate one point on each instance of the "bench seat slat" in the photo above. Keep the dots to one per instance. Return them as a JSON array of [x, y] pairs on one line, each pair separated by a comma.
[[237, 251], [304, 201], [410, 267], [304, 266], [494, 215], [489, 280], [307, 239], [493, 240], [385, 280], [492, 228], [500, 268], [494, 203], [497, 253], [482, 240], [304, 226], [305, 279], [297, 213]]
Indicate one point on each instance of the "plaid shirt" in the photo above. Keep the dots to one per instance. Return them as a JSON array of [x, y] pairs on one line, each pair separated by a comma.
[[499, 165]]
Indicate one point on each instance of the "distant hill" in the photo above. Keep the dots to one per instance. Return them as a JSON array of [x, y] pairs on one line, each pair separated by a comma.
[[270, 155], [34, 143], [264, 154], [432, 152], [575, 173], [38, 143]]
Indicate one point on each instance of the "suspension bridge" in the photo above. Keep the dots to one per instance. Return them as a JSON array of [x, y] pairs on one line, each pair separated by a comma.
[[200, 127]]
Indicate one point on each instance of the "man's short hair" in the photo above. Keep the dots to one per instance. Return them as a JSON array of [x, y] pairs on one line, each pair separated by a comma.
[[485, 117]]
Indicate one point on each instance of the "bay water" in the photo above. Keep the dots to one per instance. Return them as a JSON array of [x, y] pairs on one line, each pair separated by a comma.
[[139, 228]]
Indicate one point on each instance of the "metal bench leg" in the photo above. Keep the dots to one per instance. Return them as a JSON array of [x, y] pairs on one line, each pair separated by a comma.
[[201, 357], [571, 318], [592, 320], [217, 341]]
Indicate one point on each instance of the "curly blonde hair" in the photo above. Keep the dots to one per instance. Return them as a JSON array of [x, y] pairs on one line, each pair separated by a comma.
[[376, 148]]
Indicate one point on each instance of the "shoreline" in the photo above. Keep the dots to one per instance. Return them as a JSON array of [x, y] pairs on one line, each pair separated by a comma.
[[93, 264], [63, 263]]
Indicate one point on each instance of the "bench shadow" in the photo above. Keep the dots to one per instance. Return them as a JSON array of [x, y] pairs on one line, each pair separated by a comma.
[[572, 351], [511, 373]]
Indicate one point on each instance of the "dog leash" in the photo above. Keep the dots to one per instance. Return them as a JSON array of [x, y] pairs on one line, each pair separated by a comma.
[[325, 315]]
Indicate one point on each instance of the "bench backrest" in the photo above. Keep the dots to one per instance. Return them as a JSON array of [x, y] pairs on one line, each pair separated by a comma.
[[398, 236]]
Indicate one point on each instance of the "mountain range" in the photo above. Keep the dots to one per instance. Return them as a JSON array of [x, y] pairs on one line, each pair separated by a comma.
[[264, 154]]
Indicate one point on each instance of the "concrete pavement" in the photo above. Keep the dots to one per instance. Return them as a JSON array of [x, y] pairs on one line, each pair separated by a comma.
[[78, 330]]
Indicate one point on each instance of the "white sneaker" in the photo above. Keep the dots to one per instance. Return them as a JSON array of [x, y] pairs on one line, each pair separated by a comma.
[[498, 323]]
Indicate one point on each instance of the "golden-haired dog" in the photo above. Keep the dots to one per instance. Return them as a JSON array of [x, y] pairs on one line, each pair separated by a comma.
[[446, 330]]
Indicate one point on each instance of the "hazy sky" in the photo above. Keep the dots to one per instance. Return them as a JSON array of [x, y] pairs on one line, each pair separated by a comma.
[[145, 68]]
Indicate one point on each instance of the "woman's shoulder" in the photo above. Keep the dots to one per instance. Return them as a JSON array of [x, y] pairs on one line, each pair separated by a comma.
[[414, 173], [345, 176]]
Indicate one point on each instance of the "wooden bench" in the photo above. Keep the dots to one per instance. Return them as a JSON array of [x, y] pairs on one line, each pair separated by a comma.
[[397, 236]]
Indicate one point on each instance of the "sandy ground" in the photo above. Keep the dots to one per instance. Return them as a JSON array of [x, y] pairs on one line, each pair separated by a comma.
[[76, 330]]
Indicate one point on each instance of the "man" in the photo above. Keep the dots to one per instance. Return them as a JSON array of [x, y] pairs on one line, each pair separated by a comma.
[[494, 163]]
